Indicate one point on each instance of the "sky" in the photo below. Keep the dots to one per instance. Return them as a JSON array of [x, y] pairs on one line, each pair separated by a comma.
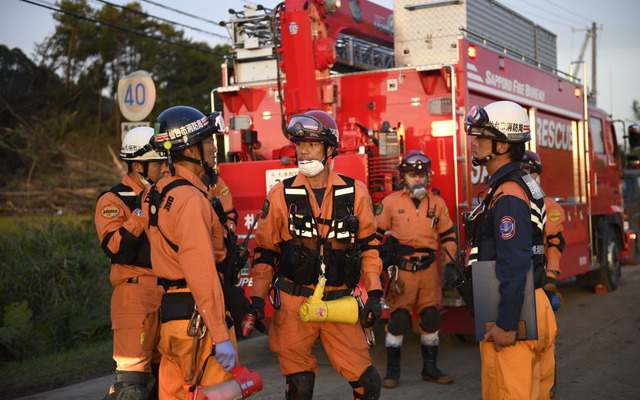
[[618, 43]]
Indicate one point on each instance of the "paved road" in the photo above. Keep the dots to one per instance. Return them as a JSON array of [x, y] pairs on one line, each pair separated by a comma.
[[598, 350]]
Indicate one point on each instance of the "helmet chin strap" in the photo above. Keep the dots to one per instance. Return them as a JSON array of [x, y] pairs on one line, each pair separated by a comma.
[[144, 175], [476, 162], [209, 172]]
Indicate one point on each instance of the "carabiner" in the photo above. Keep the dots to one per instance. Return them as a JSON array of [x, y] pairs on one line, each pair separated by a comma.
[[195, 327]]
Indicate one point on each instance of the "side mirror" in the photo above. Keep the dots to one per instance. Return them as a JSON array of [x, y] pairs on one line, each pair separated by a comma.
[[634, 135]]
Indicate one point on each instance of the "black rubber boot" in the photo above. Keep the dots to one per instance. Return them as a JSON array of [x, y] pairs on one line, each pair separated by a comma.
[[429, 370], [130, 385], [300, 386], [392, 378], [154, 383]]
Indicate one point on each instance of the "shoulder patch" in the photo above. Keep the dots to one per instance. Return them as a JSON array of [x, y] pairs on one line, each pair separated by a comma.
[[507, 228], [554, 215], [110, 211], [224, 191], [378, 208], [265, 209]]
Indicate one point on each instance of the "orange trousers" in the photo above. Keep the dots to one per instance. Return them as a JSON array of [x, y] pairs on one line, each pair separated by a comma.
[[176, 349], [421, 289], [134, 320], [525, 370], [292, 340]]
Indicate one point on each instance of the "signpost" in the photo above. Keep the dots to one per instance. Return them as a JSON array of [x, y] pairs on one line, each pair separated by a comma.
[[136, 98]]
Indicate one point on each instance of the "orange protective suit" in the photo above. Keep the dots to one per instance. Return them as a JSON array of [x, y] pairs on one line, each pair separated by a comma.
[[555, 219], [187, 220], [420, 228], [136, 295], [221, 190], [290, 337]]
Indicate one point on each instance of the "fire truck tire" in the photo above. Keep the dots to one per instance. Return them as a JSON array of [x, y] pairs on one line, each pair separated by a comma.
[[608, 275]]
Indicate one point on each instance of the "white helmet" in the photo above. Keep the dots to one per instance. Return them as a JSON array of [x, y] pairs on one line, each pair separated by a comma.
[[136, 146], [504, 121]]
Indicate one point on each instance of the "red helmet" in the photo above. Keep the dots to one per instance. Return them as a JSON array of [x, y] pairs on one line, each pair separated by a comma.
[[313, 126], [415, 160], [531, 162]]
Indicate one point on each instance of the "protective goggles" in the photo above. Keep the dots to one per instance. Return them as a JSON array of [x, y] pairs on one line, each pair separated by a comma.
[[302, 126], [531, 167], [477, 123], [418, 165]]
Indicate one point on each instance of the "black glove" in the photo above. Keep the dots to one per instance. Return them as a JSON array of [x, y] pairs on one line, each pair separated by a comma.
[[372, 311], [257, 307], [449, 276]]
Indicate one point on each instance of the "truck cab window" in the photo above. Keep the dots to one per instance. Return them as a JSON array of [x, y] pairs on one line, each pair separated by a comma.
[[595, 125]]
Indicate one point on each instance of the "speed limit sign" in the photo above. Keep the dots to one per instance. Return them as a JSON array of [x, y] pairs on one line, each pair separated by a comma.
[[136, 95]]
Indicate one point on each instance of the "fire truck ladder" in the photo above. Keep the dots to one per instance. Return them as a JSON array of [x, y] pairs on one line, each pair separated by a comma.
[[362, 55]]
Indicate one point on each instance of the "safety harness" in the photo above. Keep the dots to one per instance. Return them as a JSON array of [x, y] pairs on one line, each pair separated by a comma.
[[300, 265], [134, 250], [181, 305], [538, 219]]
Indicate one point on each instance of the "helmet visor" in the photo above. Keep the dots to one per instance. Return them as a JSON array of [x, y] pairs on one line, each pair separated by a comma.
[[302, 126], [477, 123]]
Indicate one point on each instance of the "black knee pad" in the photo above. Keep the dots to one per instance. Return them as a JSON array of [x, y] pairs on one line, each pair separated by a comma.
[[400, 322], [430, 319], [300, 386], [370, 382]]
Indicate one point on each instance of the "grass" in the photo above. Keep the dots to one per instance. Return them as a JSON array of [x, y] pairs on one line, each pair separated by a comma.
[[54, 295], [21, 378]]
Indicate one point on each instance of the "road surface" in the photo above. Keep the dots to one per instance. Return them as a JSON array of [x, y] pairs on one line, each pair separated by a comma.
[[598, 351]]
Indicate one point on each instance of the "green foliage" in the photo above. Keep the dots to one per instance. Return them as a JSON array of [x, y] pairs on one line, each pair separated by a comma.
[[54, 289], [19, 378], [65, 102]]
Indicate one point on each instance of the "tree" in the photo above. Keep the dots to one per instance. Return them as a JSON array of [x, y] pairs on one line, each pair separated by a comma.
[[75, 114]]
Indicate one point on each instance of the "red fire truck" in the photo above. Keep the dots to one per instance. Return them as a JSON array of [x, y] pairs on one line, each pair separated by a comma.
[[402, 79]]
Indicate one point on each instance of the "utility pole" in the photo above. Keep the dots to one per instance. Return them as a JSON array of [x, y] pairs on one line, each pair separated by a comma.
[[591, 33]]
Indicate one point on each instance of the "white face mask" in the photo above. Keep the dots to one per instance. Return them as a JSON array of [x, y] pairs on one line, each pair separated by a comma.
[[310, 168], [145, 182]]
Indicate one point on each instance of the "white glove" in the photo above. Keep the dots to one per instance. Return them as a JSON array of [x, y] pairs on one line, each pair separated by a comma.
[[226, 355]]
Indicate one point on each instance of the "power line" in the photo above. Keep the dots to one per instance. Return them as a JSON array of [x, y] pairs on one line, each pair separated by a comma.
[[162, 19], [572, 12], [542, 17], [123, 28], [180, 12]]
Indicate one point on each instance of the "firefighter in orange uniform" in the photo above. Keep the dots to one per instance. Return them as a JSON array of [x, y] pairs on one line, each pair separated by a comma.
[[317, 223], [507, 227], [554, 240], [553, 247], [136, 295], [417, 218], [196, 343], [220, 189]]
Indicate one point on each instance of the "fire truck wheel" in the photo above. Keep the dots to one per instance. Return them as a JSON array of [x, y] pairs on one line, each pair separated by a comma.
[[611, 269], [608, 275]]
